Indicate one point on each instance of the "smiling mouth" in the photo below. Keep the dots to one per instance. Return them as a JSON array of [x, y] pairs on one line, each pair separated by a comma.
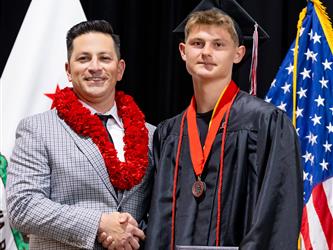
[[207, 63], [95, 79]]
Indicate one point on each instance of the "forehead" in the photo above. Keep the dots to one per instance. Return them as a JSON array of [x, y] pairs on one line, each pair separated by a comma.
[[93, 41], [205, 31]]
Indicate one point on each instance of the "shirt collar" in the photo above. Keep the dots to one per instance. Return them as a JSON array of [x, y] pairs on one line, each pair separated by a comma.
[[113, 111]]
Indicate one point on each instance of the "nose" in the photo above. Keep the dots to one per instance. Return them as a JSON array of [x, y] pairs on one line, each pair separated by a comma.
[[94, 65], [207, 50]]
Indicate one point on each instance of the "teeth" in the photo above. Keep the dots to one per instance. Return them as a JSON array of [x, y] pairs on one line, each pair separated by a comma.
[[94, 79]]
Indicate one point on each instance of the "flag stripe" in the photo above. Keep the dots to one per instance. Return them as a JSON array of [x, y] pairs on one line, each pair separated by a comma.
[[321, 206], [305, 230], [317, 237], [328, 187]]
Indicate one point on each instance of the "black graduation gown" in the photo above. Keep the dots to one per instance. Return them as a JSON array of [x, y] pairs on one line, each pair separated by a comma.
[[262, 183]]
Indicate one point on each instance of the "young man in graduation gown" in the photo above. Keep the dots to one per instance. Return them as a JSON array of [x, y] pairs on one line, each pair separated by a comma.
[[227, 169]]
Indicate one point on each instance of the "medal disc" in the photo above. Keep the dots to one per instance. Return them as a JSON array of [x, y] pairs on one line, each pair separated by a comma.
[[198, 188]]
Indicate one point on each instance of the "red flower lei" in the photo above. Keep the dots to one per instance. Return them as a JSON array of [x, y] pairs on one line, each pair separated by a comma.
[[123, 175]]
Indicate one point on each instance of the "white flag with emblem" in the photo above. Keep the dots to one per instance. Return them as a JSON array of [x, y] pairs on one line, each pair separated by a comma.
[[36, 64]]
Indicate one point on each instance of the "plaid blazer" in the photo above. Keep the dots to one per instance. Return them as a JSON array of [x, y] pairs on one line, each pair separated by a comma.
[[58, 185]]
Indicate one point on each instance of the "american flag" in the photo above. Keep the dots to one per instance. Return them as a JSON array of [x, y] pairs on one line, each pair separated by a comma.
[[305, 93]]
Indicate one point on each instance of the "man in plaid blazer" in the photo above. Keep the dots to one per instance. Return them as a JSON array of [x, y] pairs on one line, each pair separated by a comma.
[[68, 184]]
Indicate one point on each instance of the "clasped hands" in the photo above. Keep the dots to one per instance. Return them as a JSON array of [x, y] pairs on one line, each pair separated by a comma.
[[119, 231]]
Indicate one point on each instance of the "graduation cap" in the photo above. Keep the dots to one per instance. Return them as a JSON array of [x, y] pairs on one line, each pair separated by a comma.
[[244, 23], [248, 31]]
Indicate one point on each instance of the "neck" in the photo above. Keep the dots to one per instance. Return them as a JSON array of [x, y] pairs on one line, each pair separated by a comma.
[[207, 93], [101, 105]]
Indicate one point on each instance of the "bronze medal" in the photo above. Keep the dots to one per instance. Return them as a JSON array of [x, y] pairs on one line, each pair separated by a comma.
[[198, 188]]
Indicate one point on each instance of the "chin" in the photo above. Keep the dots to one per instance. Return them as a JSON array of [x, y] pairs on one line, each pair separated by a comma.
[[205, 75]]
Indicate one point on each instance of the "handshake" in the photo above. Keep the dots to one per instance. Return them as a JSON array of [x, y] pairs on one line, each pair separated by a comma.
[[119, 231]]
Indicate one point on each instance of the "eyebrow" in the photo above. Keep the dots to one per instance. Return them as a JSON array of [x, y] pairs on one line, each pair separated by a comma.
[[201, 39], [99, 53]]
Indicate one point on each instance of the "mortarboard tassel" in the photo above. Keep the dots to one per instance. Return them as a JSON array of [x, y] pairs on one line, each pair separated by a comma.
[[254, 62]]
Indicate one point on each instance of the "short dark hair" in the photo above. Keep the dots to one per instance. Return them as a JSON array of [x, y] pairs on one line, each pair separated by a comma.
[[85, 27]]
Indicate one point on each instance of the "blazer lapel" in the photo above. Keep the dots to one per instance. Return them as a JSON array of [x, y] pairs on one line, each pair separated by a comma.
[[127, 193], [91, 151]]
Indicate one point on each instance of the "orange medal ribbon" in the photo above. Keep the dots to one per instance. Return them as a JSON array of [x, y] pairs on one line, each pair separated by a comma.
[[199, 155]]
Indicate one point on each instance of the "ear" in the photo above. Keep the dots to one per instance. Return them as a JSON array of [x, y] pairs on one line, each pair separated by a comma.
[[240, 52], [121, 69], [68, 71], [181, 48]]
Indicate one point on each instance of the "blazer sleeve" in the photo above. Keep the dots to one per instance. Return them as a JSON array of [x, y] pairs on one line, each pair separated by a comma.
[[30, 208]]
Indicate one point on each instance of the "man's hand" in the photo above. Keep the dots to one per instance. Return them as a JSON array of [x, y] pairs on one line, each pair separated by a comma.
[[119, 231]]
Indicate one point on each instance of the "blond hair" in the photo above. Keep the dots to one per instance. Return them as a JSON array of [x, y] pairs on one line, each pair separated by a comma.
[[212, 17]]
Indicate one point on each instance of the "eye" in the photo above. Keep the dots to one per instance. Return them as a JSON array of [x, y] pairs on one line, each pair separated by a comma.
[[197, 43], [105, 58], [218, 45], [83, 59]]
